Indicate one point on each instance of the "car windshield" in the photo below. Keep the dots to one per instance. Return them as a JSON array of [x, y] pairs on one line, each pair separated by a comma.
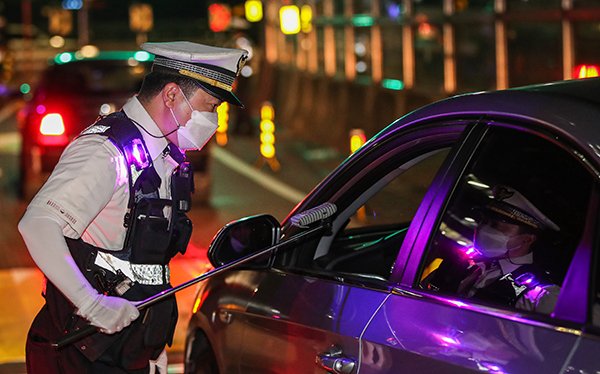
[[94, 78]]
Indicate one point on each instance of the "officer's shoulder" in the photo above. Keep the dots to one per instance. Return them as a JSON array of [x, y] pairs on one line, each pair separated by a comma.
[[104, 124], [92, 144]]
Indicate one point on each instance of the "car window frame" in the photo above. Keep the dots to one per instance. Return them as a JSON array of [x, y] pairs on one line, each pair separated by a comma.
[[409, 282], [452, 131]]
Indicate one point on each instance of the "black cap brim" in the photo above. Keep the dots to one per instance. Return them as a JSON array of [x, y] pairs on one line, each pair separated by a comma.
[[220, 93]]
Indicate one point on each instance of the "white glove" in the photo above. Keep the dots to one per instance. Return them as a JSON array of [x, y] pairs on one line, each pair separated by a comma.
[[42, 233], [110, 314]]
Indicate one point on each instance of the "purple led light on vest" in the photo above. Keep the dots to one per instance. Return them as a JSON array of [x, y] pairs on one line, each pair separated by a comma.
[[471, 252], [136, 154]]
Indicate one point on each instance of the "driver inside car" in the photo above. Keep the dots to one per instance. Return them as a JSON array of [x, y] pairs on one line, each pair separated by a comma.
[[502, 269]]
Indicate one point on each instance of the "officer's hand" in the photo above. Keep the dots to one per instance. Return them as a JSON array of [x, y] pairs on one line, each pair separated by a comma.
[[109, 314]]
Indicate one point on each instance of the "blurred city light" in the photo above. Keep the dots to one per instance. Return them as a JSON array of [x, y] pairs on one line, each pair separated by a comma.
[[25, 88], [306, 16], [57, 41], [394, 10], [586, 71], [357, 139], [361, 66], [362, 20], [141, 18], [60, 21], [89, 51], [246, 71], [63, 58], [142, 56], [426, 31], [223, 115], [392, 84], [244, 43], [360, 49], [254, 10], [106, 109], [267, 129], [72, 4], [219, 17], [289, 17], [267, 112]]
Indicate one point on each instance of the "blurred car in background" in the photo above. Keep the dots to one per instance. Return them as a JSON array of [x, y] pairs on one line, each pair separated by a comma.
[[70, 95], [347, 290]]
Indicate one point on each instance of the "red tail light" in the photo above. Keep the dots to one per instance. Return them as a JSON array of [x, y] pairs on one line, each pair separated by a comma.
[[52, 130]]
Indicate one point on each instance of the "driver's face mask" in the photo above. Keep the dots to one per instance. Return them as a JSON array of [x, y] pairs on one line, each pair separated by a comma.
[[198, 130], [492, 243]]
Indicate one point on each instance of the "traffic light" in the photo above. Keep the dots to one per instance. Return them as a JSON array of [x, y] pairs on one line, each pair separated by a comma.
[[289, 18], [254, 10], [219, 17], [223, 113]]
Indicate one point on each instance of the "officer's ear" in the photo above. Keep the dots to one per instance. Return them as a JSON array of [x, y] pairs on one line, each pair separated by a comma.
[[168, 94], [529, 238]]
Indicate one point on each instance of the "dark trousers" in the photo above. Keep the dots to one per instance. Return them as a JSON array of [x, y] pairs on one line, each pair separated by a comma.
[[42, 358]]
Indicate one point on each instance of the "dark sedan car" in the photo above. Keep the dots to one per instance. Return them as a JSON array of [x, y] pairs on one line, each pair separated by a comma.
[[71, 94], [356, 296]]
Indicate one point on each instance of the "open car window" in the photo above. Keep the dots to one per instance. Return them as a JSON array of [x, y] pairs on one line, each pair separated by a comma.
[[377, 193], [378, 220], [513, 224]]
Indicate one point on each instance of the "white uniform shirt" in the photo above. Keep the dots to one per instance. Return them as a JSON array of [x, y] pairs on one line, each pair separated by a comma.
[[541, 298], [89, 187]]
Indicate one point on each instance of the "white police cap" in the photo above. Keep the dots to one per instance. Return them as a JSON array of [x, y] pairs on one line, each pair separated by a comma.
[[214, 69], [511, 203]]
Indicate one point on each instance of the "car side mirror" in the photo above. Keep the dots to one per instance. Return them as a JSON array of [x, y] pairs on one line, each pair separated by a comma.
[[244, 237]]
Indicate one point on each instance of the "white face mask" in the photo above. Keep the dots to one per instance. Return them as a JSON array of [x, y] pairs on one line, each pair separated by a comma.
[[492, 243], [198, 130]]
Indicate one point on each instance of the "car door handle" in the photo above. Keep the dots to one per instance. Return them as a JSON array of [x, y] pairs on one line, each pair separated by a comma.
[[334, 361]]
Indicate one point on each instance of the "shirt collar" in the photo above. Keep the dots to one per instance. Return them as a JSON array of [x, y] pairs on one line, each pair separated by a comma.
[[512, 264], [136, 111]]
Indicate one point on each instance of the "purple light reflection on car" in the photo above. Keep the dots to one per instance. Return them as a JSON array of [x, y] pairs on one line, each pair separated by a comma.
[[445, 340]]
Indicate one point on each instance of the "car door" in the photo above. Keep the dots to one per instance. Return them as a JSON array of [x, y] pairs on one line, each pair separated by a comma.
[[308, 312], [421, 328], [586, 278]]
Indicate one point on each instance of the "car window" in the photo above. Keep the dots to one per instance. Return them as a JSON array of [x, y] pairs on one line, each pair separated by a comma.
[[373, 235], [512, 224]]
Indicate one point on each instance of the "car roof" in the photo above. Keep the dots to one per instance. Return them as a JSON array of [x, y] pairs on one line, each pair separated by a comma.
[[570, 108]]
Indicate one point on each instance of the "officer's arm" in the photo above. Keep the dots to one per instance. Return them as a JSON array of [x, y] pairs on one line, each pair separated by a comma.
[[541, 299], [42, 233]]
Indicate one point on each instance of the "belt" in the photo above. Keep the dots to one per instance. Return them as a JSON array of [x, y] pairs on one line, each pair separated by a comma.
[[147, 274]]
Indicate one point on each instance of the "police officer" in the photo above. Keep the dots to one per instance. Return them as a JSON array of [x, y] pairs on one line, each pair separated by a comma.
[[502, 270], [504, 239], [104, 226]]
